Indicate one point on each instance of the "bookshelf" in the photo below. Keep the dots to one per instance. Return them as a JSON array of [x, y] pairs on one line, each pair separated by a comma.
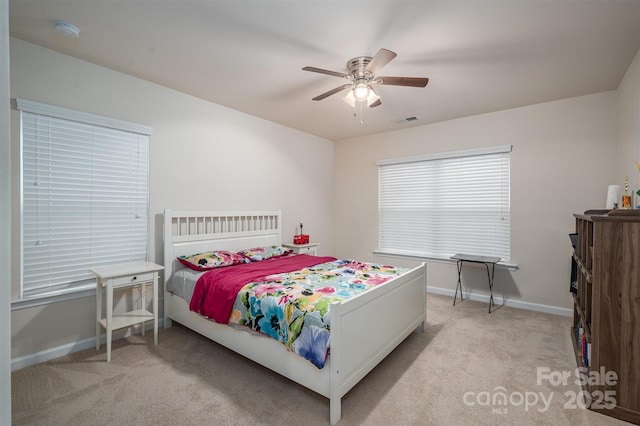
[[606, 312]]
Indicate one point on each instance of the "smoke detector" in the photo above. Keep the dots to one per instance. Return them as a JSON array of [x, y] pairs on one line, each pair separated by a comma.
[[66, 29]]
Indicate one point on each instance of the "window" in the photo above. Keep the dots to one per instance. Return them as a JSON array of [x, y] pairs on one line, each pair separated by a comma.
[[435, 206], [85, 191]]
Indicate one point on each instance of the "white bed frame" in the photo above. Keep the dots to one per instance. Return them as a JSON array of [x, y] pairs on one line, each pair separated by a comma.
[[360, 339]]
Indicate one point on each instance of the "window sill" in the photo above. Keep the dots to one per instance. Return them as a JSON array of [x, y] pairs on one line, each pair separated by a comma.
[[500, 265], [53, 297]]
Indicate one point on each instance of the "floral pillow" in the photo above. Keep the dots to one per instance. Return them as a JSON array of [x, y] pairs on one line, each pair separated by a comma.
[[257, 254], [211, 260]]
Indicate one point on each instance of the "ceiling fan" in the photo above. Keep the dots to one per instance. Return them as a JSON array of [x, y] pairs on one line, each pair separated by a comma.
[[362, 75]]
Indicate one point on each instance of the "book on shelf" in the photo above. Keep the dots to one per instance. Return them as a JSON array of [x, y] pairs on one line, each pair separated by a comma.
[[579, 332], [573, 284], [584, 346]]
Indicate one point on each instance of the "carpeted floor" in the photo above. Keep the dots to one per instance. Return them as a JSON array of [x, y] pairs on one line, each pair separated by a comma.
[[453, 374]]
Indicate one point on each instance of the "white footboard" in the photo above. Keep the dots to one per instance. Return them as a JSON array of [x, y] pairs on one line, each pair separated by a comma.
[[361, 337]]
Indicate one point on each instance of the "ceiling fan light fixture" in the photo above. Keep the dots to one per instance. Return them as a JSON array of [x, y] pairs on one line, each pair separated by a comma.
[[361, 92], [351, 99], [372, 97]]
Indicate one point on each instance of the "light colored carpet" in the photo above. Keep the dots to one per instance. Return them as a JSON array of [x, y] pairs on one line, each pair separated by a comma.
[[445, 376]]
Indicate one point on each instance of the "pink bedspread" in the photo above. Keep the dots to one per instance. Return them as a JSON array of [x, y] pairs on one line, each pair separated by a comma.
[[216, 290]]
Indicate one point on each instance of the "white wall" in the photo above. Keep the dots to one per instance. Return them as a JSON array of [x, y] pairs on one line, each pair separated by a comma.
[[562, 161], [207, 156], [5, 220], [629, 128], [203, 156]]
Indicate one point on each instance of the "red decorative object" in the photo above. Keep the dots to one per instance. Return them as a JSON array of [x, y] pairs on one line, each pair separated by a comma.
[[301, 239]]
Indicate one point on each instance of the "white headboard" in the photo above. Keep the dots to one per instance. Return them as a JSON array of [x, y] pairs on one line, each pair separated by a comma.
[[189, 232]]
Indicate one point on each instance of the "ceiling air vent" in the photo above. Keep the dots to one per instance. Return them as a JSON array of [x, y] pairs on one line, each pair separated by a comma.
[[405, 120]]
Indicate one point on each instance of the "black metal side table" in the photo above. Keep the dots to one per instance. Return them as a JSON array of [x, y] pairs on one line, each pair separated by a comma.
[[486, 261]]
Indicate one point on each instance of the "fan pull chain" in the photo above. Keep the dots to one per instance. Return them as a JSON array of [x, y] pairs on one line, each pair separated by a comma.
[[355, 114]]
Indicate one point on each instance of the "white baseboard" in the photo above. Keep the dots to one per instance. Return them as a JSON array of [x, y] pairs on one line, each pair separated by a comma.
[[53, 353], [69, 348], [499, 300]]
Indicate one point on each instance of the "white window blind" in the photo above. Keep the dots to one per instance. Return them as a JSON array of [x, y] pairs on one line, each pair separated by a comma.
[[84, 198], [439, 205]]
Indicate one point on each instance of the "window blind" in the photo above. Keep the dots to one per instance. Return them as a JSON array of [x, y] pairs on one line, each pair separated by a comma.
[[440, 205], [84, 201]]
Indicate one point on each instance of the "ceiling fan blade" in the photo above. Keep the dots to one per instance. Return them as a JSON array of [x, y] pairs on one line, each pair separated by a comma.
[[378, 102], [332, 92], [402, 81], [382, 58], [321, 71]]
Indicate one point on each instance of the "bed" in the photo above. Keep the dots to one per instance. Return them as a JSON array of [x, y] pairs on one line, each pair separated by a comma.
[[359, 338]]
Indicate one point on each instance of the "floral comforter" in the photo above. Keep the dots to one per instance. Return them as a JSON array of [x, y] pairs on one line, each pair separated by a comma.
[[293, 307]]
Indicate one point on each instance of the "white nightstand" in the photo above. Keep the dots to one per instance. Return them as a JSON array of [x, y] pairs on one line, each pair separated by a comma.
[[309, 248], [123, 276]]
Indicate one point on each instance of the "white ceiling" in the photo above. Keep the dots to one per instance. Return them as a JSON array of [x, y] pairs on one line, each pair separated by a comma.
[[480, 55]]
